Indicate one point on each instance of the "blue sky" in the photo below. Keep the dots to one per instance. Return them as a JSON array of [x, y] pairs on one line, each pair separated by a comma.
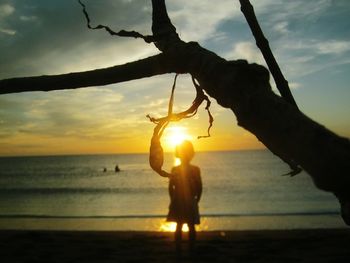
[[310, 39]]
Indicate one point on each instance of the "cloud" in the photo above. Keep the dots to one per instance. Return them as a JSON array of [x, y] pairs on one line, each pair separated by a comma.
[[28, 18], [12, 114], [246, 50], [281, 27], [318, 46], [198, 20], [333, 47], [295, 85], [275, 11], [303, 35], [7, 31], [6, 10], [81, 113], [306, 56]]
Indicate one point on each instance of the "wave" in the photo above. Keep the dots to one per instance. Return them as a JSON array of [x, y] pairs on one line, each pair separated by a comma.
[[34, 216], [74, 190]]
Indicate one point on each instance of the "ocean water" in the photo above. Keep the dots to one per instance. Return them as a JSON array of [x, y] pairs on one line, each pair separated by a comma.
[[241, 190]]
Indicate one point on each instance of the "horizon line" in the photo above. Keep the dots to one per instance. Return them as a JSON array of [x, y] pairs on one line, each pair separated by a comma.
[[210, 215], [119, 153]]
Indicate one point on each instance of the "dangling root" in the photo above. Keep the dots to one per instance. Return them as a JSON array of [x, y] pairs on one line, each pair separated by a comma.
[[207, 107], [156, 157]]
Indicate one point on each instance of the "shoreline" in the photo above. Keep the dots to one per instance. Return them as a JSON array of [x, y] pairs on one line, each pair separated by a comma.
[[159, 224], [308, 245]]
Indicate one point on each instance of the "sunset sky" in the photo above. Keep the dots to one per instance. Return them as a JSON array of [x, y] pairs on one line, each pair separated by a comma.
[[310, 39]]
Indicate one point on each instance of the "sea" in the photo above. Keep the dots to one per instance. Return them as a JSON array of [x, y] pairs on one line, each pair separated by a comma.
[[241, 190]]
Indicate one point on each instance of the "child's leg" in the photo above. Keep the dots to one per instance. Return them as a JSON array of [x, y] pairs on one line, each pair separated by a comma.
[[192, 235], [178, 236]]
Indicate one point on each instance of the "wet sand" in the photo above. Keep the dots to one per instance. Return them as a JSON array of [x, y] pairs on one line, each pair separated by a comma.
[[320, 245]]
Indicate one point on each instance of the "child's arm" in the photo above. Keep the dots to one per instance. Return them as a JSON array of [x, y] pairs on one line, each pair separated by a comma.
[[163, 173]]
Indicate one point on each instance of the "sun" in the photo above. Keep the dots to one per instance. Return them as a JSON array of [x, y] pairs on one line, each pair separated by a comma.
[[173, 136], [176, 135]]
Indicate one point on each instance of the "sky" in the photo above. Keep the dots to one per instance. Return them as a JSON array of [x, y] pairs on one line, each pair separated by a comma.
[[310, 40]]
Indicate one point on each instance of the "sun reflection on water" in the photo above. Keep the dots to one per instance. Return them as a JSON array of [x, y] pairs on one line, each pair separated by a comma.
[[171, 226]]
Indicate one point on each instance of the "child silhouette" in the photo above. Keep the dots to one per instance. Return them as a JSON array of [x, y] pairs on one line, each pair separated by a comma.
[[185, 190]]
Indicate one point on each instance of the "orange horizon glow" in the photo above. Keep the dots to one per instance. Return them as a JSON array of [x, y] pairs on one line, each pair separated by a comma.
[[72, 147], [37, 145]]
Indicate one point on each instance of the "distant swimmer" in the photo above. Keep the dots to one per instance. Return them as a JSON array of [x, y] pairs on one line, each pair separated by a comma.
[[117, 169], [104, 169]]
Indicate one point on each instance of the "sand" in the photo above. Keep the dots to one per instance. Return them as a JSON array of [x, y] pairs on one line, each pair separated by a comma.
[[323, 245]]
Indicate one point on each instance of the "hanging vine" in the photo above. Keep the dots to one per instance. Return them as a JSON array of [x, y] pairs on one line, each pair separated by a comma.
[[156, 157]]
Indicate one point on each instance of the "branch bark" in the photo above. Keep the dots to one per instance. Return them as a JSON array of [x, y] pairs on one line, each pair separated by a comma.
[[262, 43], [163, 30], [143, 68], [121, 33]]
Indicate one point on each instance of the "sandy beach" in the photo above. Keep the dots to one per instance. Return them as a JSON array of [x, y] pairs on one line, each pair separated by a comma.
[[323, 245]]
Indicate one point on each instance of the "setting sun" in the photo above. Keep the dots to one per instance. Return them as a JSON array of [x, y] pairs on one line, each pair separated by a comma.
[[175, 135]]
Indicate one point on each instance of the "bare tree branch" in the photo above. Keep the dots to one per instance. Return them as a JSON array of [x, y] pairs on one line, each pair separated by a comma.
[[207, 107], [162, 28], [143, 68], [263, 45], [121, 33], [190, 112]]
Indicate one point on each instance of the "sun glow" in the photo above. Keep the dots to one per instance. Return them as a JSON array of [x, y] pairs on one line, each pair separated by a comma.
[[177, 161], [176, 135]]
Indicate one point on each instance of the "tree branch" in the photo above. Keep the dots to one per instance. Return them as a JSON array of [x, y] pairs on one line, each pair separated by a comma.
[[262, 43], [121, 33], [162, 28], [190, 112], [143, 68]]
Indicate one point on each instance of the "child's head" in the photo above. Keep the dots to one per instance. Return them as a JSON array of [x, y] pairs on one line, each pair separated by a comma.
[[184, 151]]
